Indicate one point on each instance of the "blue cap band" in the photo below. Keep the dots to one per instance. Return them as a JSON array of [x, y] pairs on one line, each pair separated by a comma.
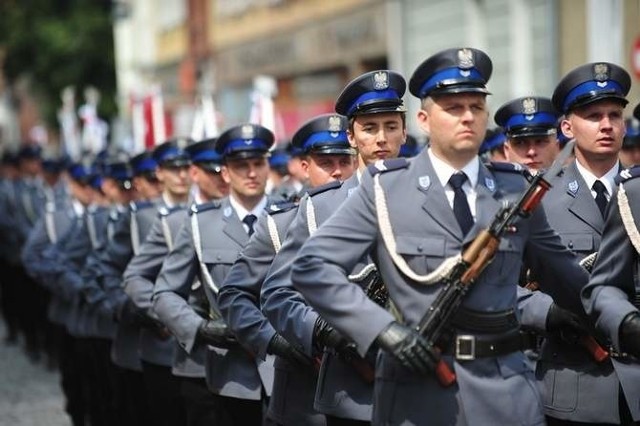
[[171, 153], [495, 141], [369, 96], [539, 119], [146, 165], [455, 75], [593, 88], [278, 160], [208, 155], [245, 145], [325, 138], [78, 172]]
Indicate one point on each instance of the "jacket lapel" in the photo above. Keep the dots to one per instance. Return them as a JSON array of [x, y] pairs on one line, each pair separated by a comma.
[[232, 226], [436, 204], [581, 202]]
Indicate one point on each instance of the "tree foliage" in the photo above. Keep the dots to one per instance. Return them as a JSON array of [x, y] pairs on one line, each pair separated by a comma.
[[58, 43]]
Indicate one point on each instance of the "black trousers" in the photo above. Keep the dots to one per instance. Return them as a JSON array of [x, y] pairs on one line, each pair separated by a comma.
[[242, 411], [131, 398], [9, 299], [203, 408], [339, 421], [163, 395], [72, 369]]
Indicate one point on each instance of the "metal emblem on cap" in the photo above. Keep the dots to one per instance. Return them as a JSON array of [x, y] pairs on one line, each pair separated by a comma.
[[246, 132], [465, 59], [601, 72], [573, 187], [381, 80], [529, 106], [182, 143], [334, 125]]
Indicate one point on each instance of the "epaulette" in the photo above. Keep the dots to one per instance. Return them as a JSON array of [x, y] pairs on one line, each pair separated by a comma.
[[276, 208], [164, 211], [135, 206], [383, 166], [505, 167], [203, 207], [627, 174], [323, 188]]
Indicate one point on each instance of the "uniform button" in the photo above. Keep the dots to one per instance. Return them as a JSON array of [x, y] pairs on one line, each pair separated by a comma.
[[570, 245], [219, 257], [420, 248]]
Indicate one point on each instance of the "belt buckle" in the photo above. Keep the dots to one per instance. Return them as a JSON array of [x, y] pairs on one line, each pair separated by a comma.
[[465, 347]]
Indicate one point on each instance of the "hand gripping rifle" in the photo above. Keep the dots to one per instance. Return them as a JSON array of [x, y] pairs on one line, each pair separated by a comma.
[[460, 272]]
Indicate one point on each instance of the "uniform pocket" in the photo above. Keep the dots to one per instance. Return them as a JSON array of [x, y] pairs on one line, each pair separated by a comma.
[[578, 241], [423, 255]]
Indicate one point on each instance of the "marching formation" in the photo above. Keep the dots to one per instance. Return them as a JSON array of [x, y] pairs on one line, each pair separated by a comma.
[[491, 278]]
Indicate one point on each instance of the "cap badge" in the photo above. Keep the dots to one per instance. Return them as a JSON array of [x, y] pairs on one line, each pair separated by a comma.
[[247, 132], [424, 182], [601, 72], [573, 187], [334, 125], [529, 106], [182, 143], [465, 59], [380, 80]]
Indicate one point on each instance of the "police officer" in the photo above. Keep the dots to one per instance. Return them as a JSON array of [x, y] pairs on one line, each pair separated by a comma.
[[373, 105], [10, 258], [145, 180], [435, 205], [592, 99], [207, 247], [157, 347], [492, 147], [630, 152], [103, 286], [326, 156], [530, 127], [52, 228], [611, 297]]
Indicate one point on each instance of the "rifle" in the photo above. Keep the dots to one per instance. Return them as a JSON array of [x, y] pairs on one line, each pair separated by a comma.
[[460, 272]]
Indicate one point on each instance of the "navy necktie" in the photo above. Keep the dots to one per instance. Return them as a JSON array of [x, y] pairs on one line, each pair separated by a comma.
[[461, 208], [249, 220], [601, 195]]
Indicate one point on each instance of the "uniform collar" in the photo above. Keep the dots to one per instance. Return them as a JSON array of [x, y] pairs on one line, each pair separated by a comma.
[[242, 212], [607, 179], [78, 208], [444, 170]]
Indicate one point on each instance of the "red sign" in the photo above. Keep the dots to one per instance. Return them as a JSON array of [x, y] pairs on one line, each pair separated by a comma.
[[635, 58]]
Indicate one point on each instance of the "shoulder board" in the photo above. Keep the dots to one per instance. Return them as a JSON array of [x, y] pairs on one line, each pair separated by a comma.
[[164, 211], [323, 188], [276, 208], [627, 174], [383, 166], [135, 206], [199, 208], [499, 166]]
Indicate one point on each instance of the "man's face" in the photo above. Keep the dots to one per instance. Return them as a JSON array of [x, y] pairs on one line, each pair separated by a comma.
[[210, 184], [456, 123], [146, 188], [296, 171], [377, 136], [325, 168], [535, 153], [598, 129], [80, 192], [246, 177], [176, 180], [31, 167]]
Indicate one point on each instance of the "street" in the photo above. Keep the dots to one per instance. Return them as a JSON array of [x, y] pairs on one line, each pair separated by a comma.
[[30, 395]]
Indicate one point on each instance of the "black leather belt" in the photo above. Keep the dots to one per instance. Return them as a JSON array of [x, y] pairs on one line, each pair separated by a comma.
[[485, 322], [467, 347]]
